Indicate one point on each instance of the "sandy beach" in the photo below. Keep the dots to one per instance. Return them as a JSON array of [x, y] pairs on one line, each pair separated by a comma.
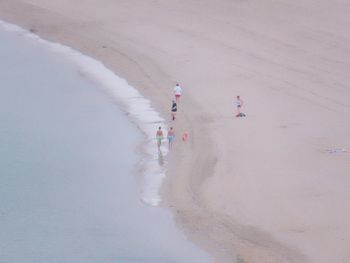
[[270, 187]]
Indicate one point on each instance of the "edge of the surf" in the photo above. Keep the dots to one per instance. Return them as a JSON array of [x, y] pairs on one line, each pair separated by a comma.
[[138, 109]]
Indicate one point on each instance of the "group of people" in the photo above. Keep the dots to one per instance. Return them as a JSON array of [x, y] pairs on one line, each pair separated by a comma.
[[171, 133]]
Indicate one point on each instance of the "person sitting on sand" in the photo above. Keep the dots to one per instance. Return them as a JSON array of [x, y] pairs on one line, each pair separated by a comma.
[[177, 92], [159, 137], [171, 137], [173, 110]]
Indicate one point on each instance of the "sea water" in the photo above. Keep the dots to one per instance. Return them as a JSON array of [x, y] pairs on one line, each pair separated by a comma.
[[69, 190]]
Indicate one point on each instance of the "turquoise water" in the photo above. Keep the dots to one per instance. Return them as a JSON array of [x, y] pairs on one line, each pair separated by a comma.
[[68, 187]]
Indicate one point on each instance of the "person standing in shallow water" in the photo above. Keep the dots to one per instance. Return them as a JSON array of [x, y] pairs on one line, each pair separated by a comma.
[[159, 137], [173, 110], [171, 137], [177, 92]]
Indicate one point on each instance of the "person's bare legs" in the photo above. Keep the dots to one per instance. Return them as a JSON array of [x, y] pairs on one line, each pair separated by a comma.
[[159, 137]]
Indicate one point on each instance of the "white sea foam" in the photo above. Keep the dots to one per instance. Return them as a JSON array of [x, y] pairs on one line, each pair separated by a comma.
[[139, 109]]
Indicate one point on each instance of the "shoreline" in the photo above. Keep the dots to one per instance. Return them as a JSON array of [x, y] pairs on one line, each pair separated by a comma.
[[137, 108], [241, 188], [143, 149], [69, 184], [167, 202]]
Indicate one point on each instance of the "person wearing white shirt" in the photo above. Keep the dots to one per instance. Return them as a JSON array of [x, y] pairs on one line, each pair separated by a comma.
[[177, 92]]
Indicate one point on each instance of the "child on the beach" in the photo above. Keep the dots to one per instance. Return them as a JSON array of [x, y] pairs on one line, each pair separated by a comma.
[[171, 137]]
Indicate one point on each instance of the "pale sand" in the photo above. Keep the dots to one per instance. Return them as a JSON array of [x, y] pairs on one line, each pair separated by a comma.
[[264, 187]]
